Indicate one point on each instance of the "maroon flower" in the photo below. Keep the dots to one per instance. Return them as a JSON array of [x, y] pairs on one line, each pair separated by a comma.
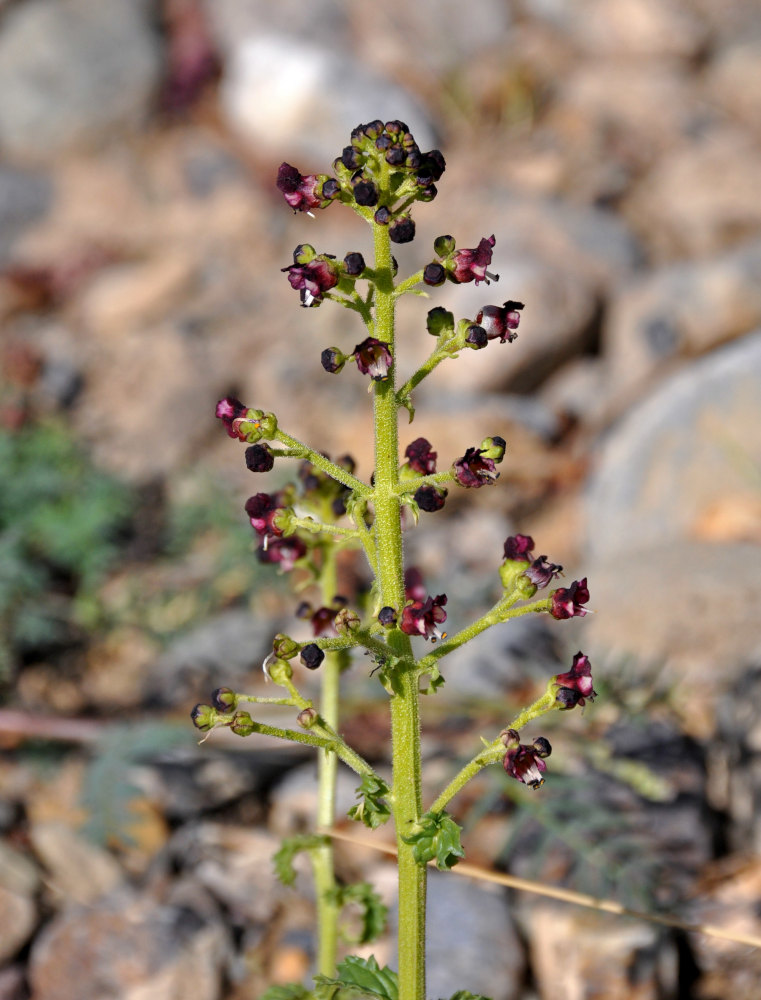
[[387, 617], [312, 277], [575, 686], [373, 358], [541, 571], [229, 410], [424, 617], [283, 551], [473, 470], [567, 601], [259, 458], [470, 265], [420, 457], [430, 498], [311, 656], [321, 619], [501, 321], [525, 763], [305, 192], [519, 548], [261, 510]]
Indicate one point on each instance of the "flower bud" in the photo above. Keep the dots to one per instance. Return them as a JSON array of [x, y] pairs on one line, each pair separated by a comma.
[[307, 718], [387, 617], [542, 747], [494, 448], [438, 321], [354, 264], [434, 274], [311, 656], [259, 458], [365, 191], [280, 671], [332, 360], [224, 699], [304, 253], [284, 647], [204, 717], [382, 216], [430, 498], [242, 724], [443, 246], [510, 737], [402, 230], [476, 338], [347, 621]]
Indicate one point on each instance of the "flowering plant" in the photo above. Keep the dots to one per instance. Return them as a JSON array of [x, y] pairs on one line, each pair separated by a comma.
[[305, 526]]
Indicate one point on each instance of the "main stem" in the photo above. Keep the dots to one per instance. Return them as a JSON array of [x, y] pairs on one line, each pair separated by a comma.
[[405, 710], [322, 856]]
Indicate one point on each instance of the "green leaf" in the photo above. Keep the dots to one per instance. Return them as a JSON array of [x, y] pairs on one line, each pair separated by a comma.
[[437, 838], [289, 848], [374, 911], [288, 991], [467, 995], [358, 979], [371, 809], [435, 681]]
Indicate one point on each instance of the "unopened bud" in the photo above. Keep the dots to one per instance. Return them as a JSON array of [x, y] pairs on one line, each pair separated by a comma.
[[280, 671], [224, 699], [284, 647], [307, 718], [510, 737], [387, 617], [494, 448], [439, 320], [312, 656], [542, 747], [346, 621], [203, 716], [242, 724]]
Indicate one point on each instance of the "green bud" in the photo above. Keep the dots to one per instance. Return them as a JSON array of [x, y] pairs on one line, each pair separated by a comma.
[[242, 724], [524, 587], [438, 321], [284, 647], [347, 621], [204, 717], [284, 520], [444, 246], [307, 718], [509, 573], [494, 448], [304, 253], [224, 699], [280, 672]]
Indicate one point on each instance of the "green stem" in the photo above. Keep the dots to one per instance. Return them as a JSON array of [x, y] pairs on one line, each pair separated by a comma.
[[319, 461], [405, 718]]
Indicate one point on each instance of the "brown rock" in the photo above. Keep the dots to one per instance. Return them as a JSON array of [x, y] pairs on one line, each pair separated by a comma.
[[79, 870], [18, 918]]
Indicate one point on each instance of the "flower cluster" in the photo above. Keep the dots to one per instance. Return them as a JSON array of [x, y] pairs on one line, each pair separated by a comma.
[[460, 266]]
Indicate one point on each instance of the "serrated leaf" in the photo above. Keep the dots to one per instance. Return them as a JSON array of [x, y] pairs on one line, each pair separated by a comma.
[[288, 991], [435, 681], [358, 979], [374, 911], [437, 838], [467, 995], [283, 857], [371, 809]]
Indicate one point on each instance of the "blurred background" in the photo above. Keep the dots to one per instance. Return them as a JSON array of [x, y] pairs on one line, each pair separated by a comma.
[[614, 149]]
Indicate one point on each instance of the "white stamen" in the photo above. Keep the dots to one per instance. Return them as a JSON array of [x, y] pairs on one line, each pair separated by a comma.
[[266, 665]]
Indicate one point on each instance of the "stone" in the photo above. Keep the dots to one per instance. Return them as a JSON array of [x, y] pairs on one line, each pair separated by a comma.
[[18, 919], [72, 69], [679, 311], [128, 947], [289, 98], [733, 81], [607, 957], [699, 200], [294, 799], [25, 197], [735, 761], [221, 651], [694, 441], [17, 872], [79, 870]]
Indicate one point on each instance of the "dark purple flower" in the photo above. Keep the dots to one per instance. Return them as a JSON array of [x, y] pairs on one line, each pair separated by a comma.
[[283, 551], [229, 410], [567, 601], [414, 586], [420, 457], [575, 686], [313, 278], [311, 656], [501, 321], [541, 571], [424, 617], [354, 264], [519, 548], [471, 265], [365, 191], [474, 470], [430, 498], [476, 337], [526, 763], [373, 358], [382, 216], [303, 192], [322, 619], [261, 510], [259, 458]]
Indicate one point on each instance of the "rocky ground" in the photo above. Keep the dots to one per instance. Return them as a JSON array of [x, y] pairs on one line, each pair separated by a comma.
[[614, 148]]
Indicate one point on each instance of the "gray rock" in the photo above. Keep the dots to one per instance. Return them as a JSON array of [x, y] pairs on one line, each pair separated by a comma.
[[220, 652], [733, 80], [291, 98], [694, 442], [322, 22], [680, 311], [294, 799], [18, 918], [66, 855], [735, 762], [70, 69], [25, 197], [472, 943]]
